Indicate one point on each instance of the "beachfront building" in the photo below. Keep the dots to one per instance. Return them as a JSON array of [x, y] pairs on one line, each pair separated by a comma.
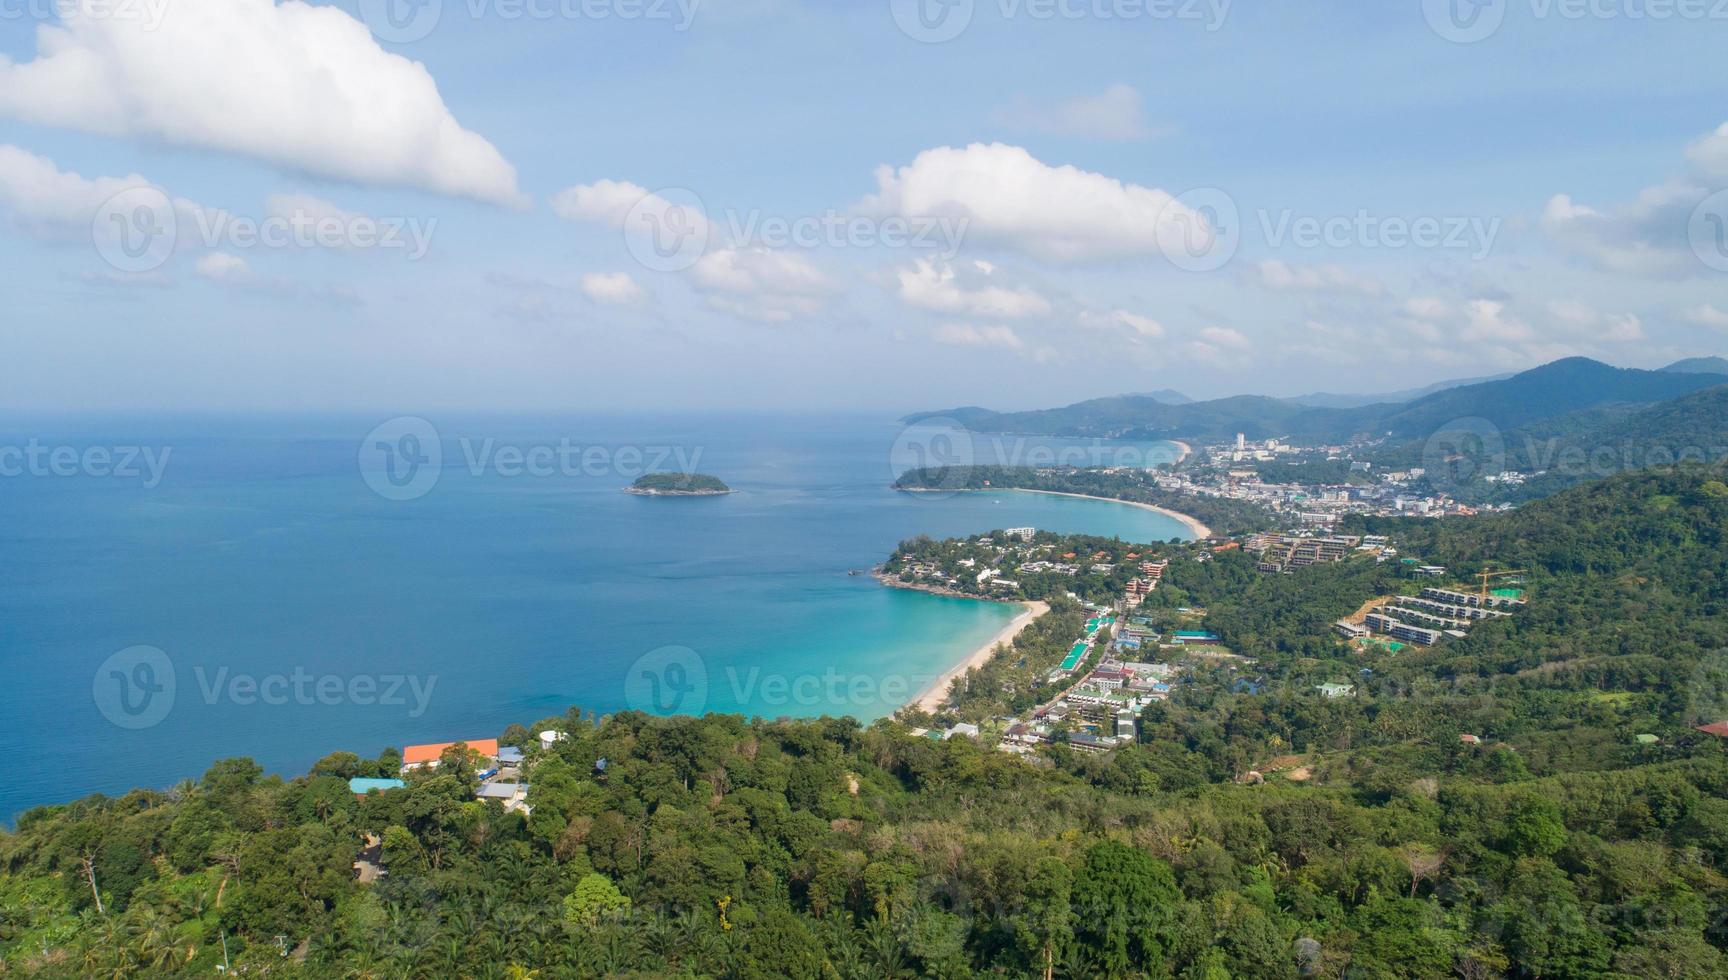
[[426, 756]]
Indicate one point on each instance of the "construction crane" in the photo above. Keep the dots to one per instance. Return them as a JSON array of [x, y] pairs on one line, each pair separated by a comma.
[[1488, 575]]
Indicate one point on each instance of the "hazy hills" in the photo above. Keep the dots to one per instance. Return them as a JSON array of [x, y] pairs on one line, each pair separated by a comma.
[[1557, 389]]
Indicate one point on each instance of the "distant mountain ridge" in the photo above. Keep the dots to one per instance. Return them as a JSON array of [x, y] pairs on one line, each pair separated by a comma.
[[1570, 385], [1700, 365], [1331, 400]]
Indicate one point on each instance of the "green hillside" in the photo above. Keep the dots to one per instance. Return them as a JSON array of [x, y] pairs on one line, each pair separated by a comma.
[[1561, 846]]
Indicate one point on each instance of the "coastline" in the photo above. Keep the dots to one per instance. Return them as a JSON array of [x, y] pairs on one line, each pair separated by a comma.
[[1199, 530], [932, 697], [1193, 524], [1184, 451]]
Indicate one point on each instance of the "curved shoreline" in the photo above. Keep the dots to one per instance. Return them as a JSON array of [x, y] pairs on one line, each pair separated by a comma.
[[932, 697], [1199, 530]]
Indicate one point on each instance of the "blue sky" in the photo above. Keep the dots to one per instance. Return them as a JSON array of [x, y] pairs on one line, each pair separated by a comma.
[[1559, 175]]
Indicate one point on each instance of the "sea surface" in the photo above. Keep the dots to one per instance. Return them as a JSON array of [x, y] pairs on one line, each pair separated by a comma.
[[282, 589]]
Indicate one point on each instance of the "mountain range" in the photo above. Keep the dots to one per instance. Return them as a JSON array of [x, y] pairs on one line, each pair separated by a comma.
[[1561, 388]]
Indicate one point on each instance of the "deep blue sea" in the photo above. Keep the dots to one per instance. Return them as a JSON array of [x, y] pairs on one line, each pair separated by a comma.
[[257, 596]]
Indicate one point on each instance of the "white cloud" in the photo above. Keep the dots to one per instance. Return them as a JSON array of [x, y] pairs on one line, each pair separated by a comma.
[[974, 335], [1705, 315], [222, 267], [1709, 154], [1142, 326], [1649, 235], [609, 203], [45, 201], [1220, 346], [235, 272], [968, 289], [302, 87], [1278, 275], [1114, 114], [1586, 322], [612, 288], [307, 209], [1487, 320], [1225, 337], [1426, 307], [1009, 197], [1643, 237], [761, 284], [759, 270]]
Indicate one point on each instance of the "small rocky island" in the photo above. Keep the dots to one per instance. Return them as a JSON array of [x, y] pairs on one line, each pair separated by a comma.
[[678, 485]]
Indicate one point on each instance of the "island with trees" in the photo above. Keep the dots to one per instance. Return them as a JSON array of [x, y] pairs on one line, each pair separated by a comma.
[[678, 485]]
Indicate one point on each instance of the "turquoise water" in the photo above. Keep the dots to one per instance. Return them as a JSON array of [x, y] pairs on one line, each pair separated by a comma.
[[298, 612]]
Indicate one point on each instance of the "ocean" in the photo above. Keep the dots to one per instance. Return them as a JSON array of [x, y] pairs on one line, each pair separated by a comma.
[[178, 591]]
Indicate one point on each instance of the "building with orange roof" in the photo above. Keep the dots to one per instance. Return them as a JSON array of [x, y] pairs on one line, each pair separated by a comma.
[[415, 756]]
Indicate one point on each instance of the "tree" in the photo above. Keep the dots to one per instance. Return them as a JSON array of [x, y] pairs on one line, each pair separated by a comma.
[[595, 897], [1122, 898], [1534, 827], [1047, 924]]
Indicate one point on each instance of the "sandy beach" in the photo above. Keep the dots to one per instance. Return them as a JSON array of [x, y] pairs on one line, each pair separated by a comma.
[[1199, 530], [1184, 451], [933, 696]]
